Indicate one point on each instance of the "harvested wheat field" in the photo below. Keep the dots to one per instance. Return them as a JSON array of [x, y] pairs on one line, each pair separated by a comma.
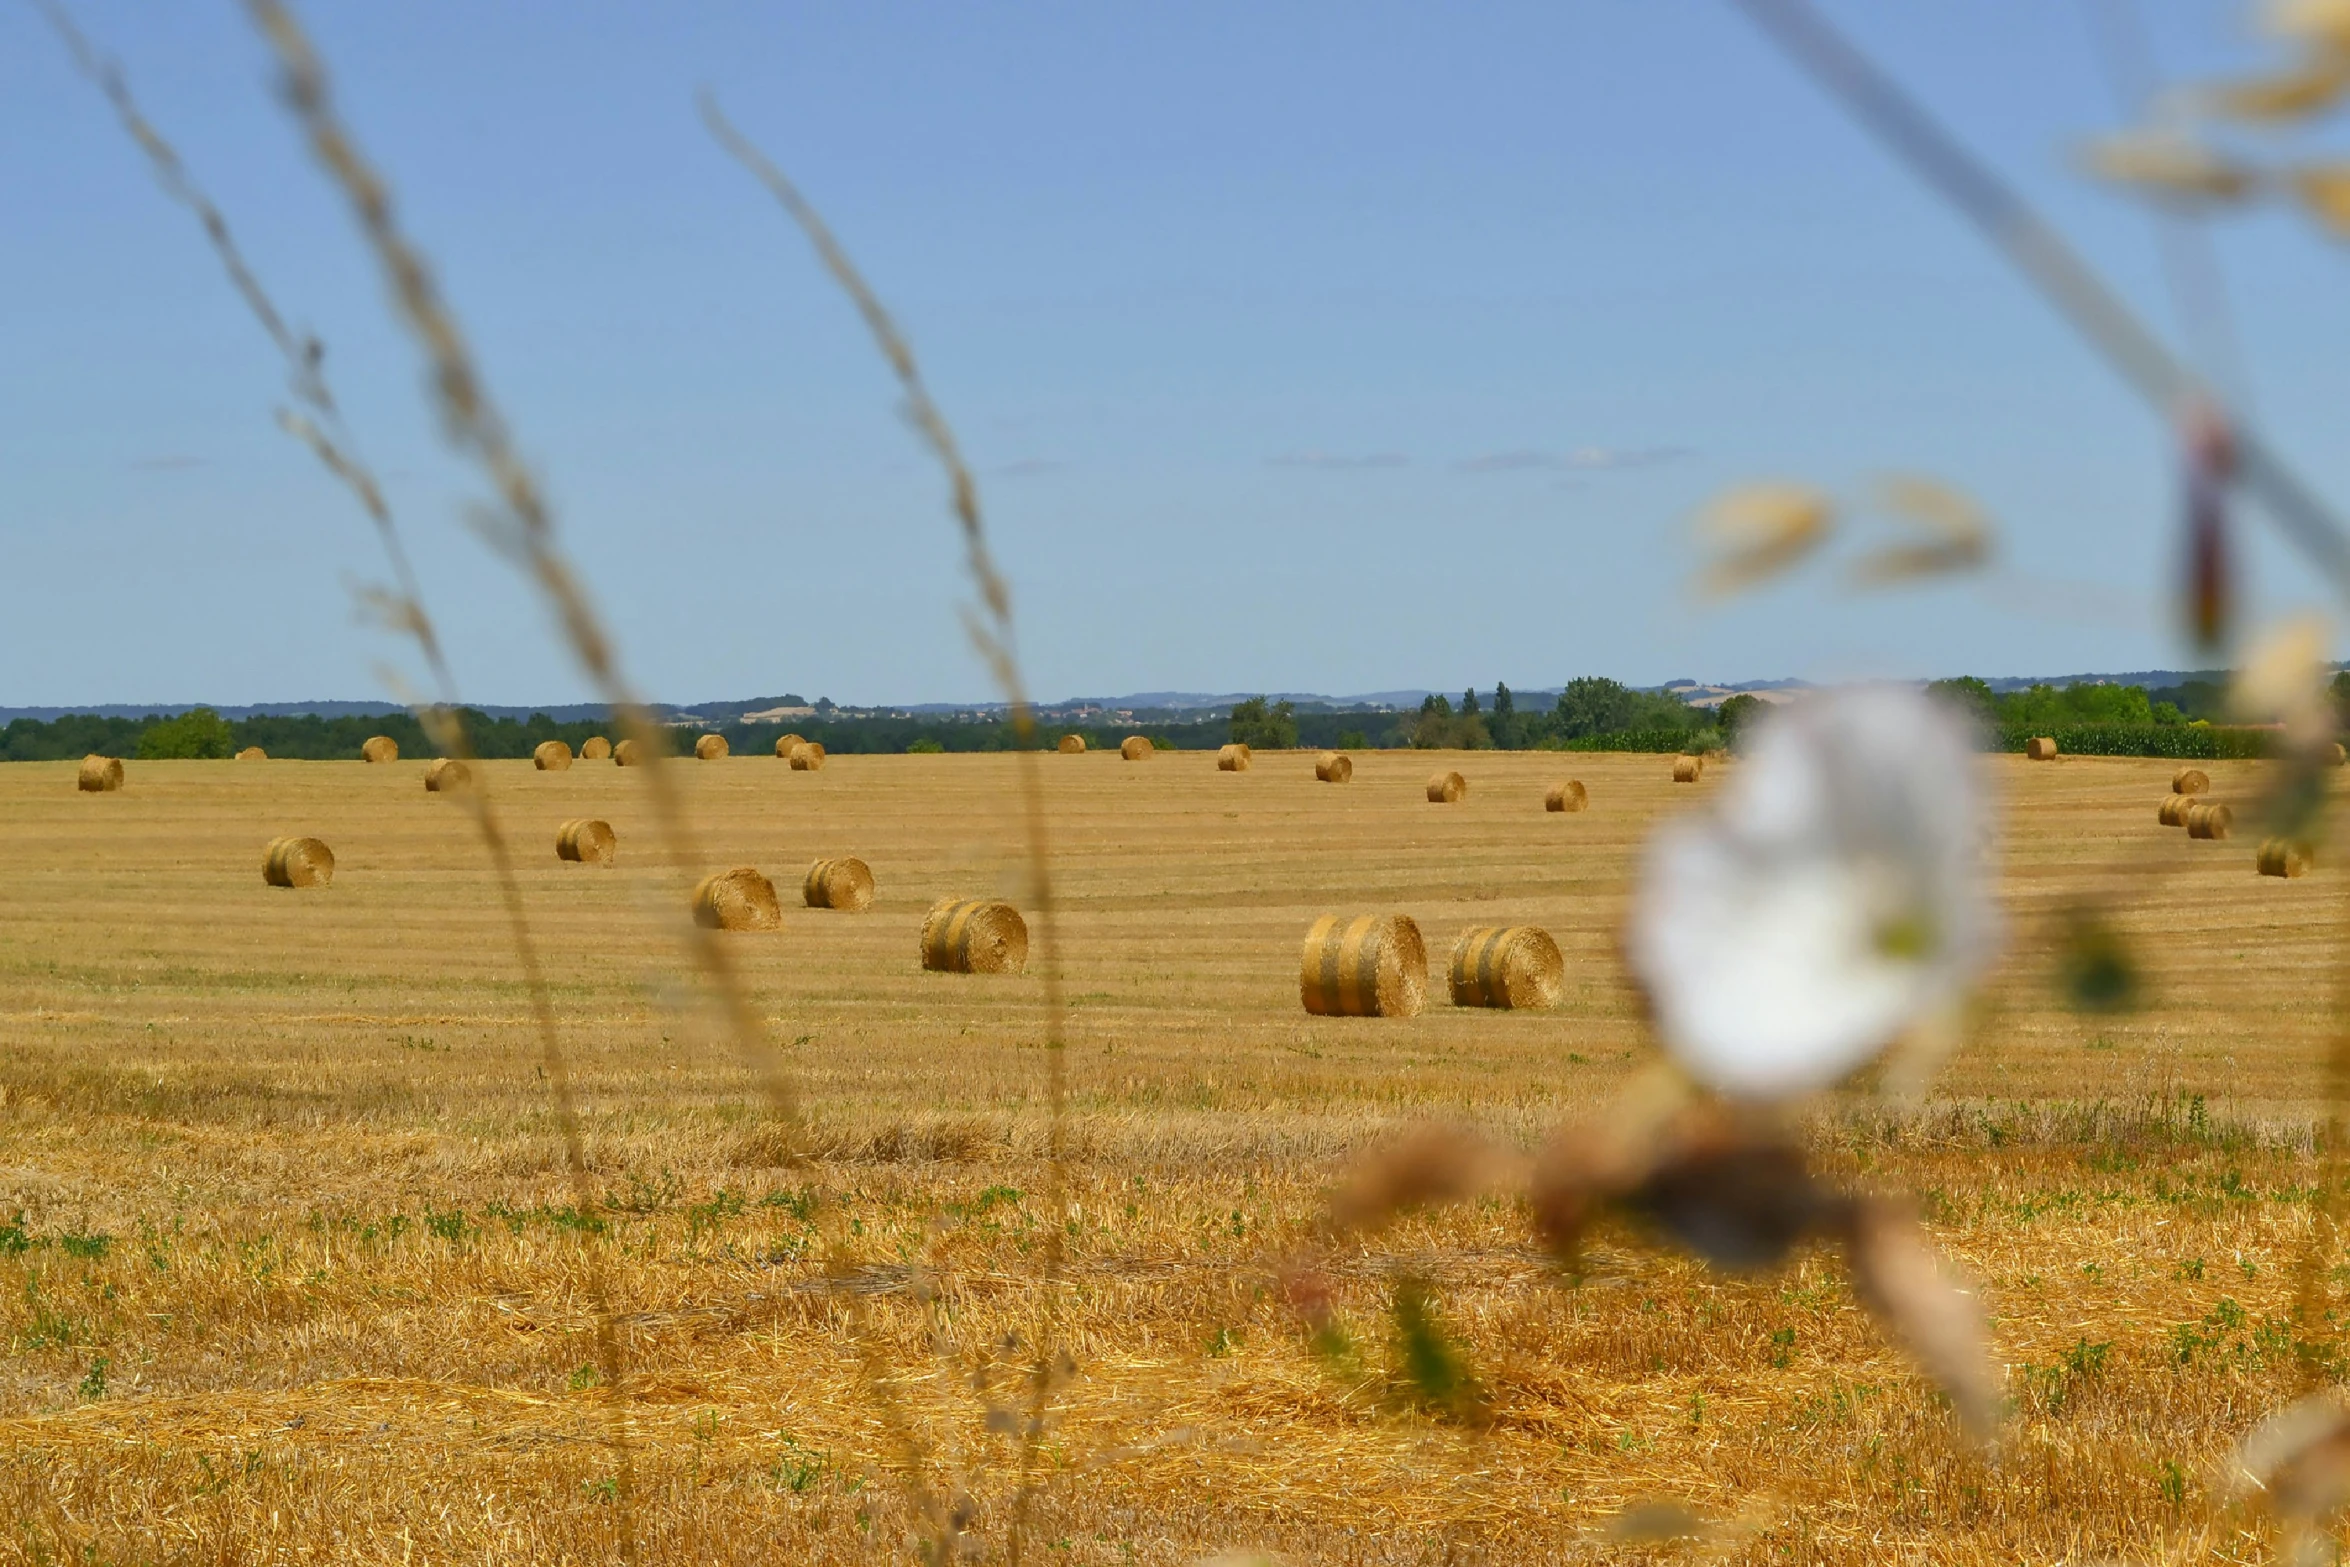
[[291, 1268]]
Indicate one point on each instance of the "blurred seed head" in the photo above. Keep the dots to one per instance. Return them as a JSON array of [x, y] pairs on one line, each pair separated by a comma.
[[1755, 531], [2170, 167], [2283, 679], [1429, 1167], [1951, 533], [2323, 189], [2322, 24], [2307, 87], [2297, 1461], [1928, 1307]]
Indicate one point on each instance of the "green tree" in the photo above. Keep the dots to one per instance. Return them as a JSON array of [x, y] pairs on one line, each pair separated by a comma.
[[1469, 702], [1265, 728], [1969, 694], [1736, 713], [198, 732], [1595, 705]]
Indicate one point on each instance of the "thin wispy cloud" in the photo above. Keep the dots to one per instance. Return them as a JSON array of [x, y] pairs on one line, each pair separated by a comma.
[[1338, 462], [1581, 459], [169, 463]]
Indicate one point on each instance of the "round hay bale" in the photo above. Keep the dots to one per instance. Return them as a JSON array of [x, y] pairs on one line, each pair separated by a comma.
[[297, 862], [1334, 767], [587, 841], [380, 748], [629, 753], [974, 936], [2042, 749], [786, 744], [1373, 965], [446, 775], [2189, 780], [594, 748], [1072, 745], [807, 757], [1507, 966], [550, 756], [1136, 748], [1688, 769], [252, 753], [1567, 796], [1446, 788], [2173, 812], [843, 884], [2209, 819], [710, 748], [739, 899], [99, 775], [1232, 759], [2283, 857]]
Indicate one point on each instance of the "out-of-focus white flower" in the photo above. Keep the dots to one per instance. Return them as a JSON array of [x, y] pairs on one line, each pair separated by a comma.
[[2283, 680], [1833, 896]]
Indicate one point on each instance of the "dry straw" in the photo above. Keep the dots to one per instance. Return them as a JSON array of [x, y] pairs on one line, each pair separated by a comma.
[[594, 748], [2209, 819], [446, 775], [786, 744], [1374, 965], [252, 753], [1507, 966], [1232, 759], [844, 884], [586, 840], [1072, 745], [739, 899], [297, 862], [1688, 769], [1334, 767], [1446, 788], [629, 753], [1136, 748], [2173, 811], [380, 748], [2283, 857], [974, 936], [551, 756], [807, 757], [99, 775], [2190, 780], [2041, 749], [1569, 795], [710, 748]]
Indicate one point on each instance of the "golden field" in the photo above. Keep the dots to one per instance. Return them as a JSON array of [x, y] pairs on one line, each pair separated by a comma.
[[290, 1267]]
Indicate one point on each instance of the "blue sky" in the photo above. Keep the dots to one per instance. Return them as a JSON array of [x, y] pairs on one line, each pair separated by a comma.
[[1298, 347]]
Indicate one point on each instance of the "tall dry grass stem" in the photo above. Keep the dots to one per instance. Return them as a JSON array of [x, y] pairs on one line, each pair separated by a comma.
[[992, 633]]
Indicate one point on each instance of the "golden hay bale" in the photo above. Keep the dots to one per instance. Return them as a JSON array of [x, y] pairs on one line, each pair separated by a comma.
[[629, 753], [594, 748], [1135, 748], [974, 936], [297, 862], [2283, 857], [586, 840], [1688, 769], [2042, 749], [2173, 812], [1334, 767], [710, 748], [446, 774], [380, 748], [1232, 759], [252, 753], [1567, 796], [1507, 966], [2189, 780], [844, 884], [550, 756], [1373, 965], [785, 745], [1072, 745], [739, 899], [99, 774], [2208, 819], [807, 757], [1445, 788]]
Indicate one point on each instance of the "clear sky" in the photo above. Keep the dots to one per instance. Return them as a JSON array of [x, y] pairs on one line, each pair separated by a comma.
[[1337, 347]]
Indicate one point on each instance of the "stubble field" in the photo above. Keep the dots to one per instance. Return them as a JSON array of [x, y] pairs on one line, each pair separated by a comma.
[[290, 1267]]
